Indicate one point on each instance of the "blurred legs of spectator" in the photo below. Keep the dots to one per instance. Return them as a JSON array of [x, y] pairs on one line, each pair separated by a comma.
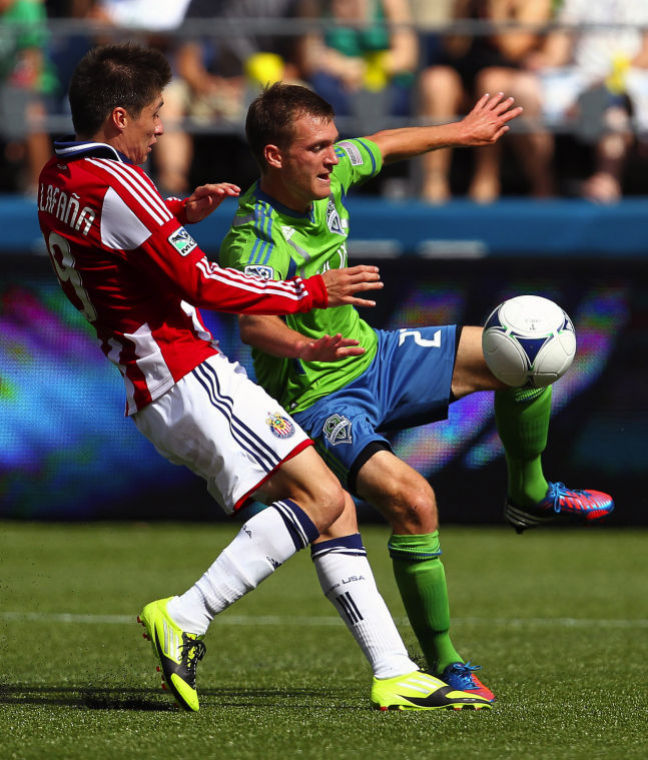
[[535, 147], [441, 96], [174, 152], [602, 118], [27, 144], [604, 185]]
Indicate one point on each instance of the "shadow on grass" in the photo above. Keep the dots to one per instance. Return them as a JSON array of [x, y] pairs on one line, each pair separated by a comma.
[[148, 700], [85, 697]]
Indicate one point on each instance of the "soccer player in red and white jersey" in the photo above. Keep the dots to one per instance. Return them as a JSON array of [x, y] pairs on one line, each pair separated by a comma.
[[125, 260]]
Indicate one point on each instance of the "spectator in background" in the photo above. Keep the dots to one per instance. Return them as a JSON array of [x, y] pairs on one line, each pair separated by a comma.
[[600, 77], [25, 81], [466, 68], [363, 66], [218, 75]]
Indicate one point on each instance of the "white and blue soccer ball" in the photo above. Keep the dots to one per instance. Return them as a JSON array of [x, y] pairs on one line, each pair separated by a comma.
[[528, 341]]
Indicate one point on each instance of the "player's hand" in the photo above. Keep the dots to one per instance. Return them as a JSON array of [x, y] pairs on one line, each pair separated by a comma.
[[488, 120], [329, 348], [341, 284], [206, 198]]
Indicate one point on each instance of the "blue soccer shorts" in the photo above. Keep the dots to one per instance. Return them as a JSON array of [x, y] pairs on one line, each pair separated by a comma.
[[408, 383]]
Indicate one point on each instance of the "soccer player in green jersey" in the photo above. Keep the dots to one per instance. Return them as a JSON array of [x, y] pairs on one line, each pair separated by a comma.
[[347, 383]]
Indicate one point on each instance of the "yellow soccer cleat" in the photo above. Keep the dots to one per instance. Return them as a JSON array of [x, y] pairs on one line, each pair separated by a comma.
[[177, 651], [421, 691]]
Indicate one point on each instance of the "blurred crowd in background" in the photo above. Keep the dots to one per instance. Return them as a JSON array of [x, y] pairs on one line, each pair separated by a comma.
[[579, 68]]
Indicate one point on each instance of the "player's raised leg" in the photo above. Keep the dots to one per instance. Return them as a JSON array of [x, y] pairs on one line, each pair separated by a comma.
[[522, 416]]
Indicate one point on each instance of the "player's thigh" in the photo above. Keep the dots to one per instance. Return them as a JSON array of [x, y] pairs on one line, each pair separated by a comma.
[[403, 496], [471, 372], [308, 481]]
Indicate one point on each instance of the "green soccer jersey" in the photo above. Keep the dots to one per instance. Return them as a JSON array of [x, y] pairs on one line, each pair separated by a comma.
[[270, 240]]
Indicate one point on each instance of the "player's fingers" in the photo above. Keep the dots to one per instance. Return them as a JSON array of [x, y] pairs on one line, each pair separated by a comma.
[[495, 100], [503, 105], [362, 270], [508, 115], [364, 285], [358, 280], [481, 102], [351, 351], [324, 342], [499, 133], [346, 342], [354, 301]]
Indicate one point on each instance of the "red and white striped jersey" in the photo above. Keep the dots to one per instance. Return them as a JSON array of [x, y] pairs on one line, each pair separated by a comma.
[[125, 260]]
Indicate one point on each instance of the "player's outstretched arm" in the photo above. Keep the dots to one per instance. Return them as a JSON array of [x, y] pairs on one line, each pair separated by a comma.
[[207, 198], [271, 335], [342, 285], [484, 125]]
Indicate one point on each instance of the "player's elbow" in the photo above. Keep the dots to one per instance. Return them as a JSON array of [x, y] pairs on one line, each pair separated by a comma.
[[246, 329]]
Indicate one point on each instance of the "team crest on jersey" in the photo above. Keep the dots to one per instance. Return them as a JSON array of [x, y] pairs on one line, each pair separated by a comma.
[[266, 273], [337, 429], [333, 220], [280, 426], [182, 241]]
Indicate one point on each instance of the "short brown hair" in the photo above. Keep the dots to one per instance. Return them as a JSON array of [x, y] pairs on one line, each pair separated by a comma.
[[126, 75], [271, 115]]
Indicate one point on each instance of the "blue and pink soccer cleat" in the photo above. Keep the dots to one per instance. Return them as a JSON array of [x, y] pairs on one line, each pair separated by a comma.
[[560, 503], [461, 676]]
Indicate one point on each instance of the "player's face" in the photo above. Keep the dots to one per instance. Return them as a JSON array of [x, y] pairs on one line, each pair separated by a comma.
[[141, 133], [308, 161]]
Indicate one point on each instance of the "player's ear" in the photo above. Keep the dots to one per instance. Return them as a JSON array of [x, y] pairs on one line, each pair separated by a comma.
[[273, 156], [119, 118]]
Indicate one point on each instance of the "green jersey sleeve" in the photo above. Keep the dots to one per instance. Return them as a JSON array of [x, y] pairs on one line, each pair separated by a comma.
[[360, 159]]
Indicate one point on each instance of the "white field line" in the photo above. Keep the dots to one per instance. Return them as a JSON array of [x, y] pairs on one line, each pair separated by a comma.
[[296, 621]]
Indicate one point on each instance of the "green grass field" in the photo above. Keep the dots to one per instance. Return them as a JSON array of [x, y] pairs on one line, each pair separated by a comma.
[[558, 619]]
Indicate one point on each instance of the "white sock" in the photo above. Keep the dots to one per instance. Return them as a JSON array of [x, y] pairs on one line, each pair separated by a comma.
[[347, 581], [264, 543]]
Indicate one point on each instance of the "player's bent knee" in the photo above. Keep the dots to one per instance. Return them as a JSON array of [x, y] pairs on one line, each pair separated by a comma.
[[308, 481], [411, 508], [415, 516]]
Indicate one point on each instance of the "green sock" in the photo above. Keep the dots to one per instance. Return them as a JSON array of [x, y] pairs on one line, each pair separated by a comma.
[[421, 580], [522, 417]]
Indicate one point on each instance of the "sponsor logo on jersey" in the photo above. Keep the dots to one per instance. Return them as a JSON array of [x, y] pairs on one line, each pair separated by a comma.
[[351, 149], [266, 273], [333, 218], [337, 429], [280, 426], [182, 241], [287, 231]]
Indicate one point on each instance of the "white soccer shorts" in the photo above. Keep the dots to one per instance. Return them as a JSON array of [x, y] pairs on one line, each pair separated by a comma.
[[223, 427]]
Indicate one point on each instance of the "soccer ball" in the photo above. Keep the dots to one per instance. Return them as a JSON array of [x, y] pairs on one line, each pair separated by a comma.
[[528, 341]]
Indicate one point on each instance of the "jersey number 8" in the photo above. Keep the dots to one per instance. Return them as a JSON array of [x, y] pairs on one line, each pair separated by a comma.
[[63, 260]]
